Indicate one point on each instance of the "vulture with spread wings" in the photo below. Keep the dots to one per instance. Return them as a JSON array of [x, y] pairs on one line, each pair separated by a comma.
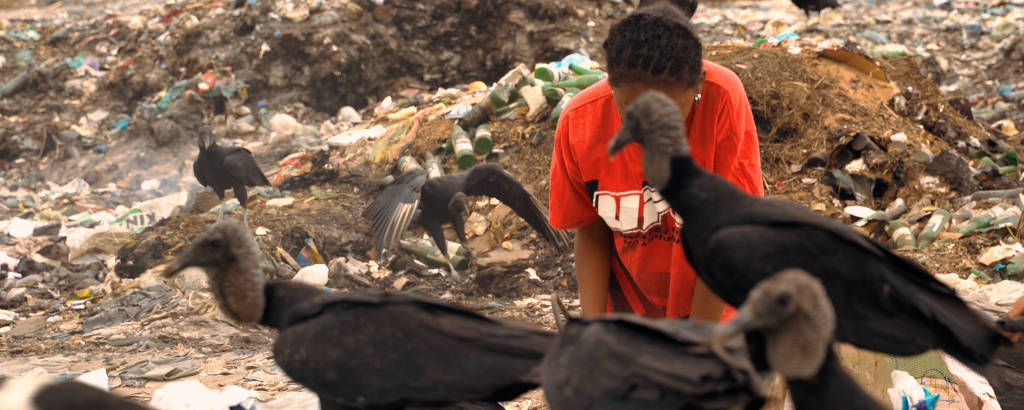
[[442, 200]]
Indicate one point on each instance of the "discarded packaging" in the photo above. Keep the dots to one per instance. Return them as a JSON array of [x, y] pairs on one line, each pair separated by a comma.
[[316, 275]]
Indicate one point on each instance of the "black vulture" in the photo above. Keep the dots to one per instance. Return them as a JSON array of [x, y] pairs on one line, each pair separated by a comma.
[[1006, 374], [442, 200], [688, 7], [815, 5], [41, 392], [630, 362], [790, 319], [1015, 325], [885, 302], [222, 168], [370, 350]]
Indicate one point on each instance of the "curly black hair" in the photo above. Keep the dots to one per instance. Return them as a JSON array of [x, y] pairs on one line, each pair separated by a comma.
[[688, 7], [654, 45]]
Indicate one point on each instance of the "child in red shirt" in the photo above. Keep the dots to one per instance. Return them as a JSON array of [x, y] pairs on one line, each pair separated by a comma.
[[628, 253]]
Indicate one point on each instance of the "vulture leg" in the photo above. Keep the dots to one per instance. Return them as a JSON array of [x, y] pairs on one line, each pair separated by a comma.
[[437, 233], [220, 194], [457, 211], [243, 198]]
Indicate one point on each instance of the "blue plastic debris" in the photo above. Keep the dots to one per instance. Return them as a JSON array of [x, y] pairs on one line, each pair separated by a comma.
[[784, 36], [99, 149], [1005, 89], [27, 35], [574, 58], [172, 94], [122, 123], [75, 62], [974, 29], [931, 400]]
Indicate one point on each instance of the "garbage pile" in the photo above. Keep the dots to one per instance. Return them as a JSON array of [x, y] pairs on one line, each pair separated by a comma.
[[972, 50], [907, 131]]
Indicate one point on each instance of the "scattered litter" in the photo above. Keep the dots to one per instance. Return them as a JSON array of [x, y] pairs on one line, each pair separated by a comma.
[[1000, 253], [20, 228], [315, 275], [849, 114], [193, 395], [281, 202], [351, 137], [96, 378], [129, 307], [907, 393]]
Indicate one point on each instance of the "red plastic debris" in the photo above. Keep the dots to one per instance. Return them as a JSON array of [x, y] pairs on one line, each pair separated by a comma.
[[170, 16], [209, 79]]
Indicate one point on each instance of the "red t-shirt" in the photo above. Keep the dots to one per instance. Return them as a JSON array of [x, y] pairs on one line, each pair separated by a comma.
[[651, 275]]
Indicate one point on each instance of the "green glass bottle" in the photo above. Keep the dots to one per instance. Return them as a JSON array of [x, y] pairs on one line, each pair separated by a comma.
[[425, 251], [557, 112], [408, 163], [462, 147], [900, 235], [509, 108], [581, 82], [548, 73], [479, 114], [1015, 268], [581, 70], [500, 96], [937, 224], [433, 166], [982, 220], [1010, 156], [552, 94], [482, 140]]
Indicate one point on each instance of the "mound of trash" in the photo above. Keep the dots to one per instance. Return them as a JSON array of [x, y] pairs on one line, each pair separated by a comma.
[[889, 129]]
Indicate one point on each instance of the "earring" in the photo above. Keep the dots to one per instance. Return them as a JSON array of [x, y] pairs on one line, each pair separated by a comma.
[[697, 97]]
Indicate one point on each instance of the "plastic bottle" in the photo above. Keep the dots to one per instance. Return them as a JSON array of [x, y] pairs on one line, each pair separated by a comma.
[[937, 224], [900, 234], [462, 147], [433, 166], [482, 140]]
